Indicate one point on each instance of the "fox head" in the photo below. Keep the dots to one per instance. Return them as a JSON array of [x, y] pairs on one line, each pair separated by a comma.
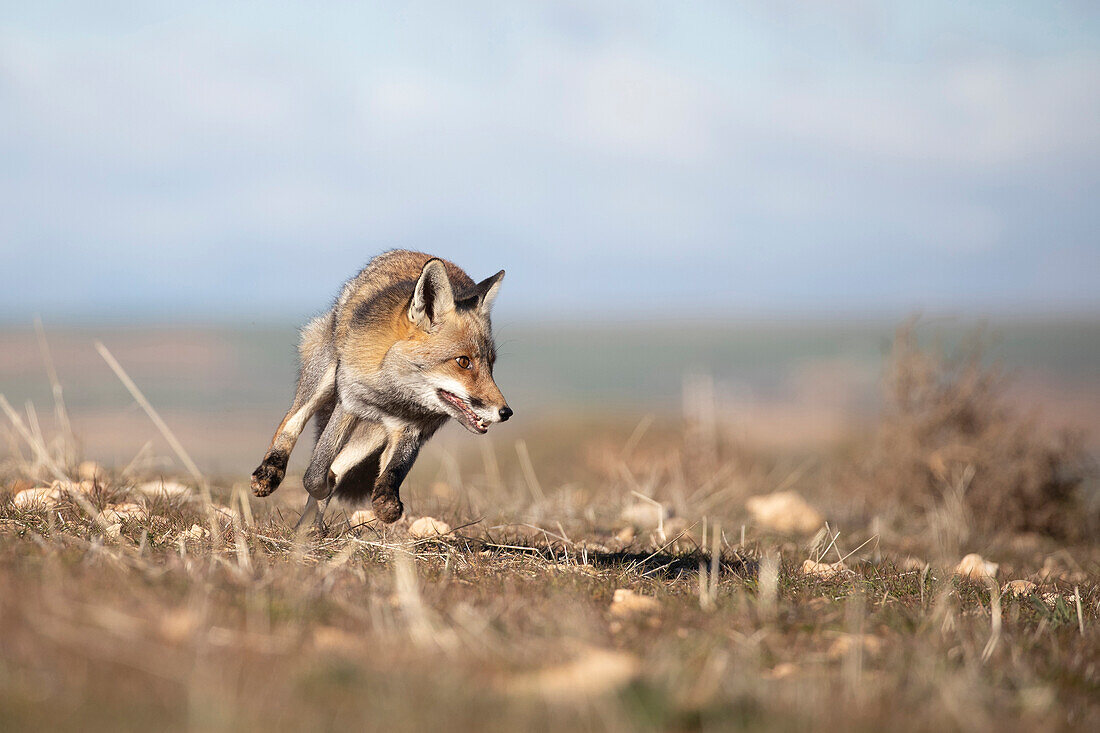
[[450, 345]]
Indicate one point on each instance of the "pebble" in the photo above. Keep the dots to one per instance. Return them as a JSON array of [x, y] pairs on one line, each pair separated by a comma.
[[170, 489], [1018, 588], [361, 518], [824, 570], [975, 567], [427, 527], [196, 532], [784, 511], [38, 498], [626, 602], [595, 672], [846, 643], [117, 513]]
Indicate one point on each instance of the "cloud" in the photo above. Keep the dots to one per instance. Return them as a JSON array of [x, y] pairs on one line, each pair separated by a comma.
[[168, 154]]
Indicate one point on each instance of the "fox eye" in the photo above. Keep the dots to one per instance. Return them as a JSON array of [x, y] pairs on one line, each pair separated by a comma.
[[463, 361]]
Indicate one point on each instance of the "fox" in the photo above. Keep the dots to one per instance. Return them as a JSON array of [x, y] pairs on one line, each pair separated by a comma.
[[407, 346]]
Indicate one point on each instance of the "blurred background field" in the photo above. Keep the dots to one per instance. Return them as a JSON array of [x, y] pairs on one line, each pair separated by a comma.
[[778, 383]]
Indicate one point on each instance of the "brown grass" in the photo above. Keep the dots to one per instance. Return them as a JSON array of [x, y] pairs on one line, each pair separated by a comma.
[[950, 435], [213, 615]]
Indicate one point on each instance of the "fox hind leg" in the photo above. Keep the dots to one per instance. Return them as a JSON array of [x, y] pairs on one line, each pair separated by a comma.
[[314, 513], [318, 479]]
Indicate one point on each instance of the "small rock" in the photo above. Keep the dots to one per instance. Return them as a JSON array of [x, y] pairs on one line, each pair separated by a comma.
[[113, 531], [910, 564], [118, 513], [196, 532], [1054, 569], [1018, 588], [628, 603], [784, 511], [38, 498], [226, 515], [91, 471], [129, 509], [846, 643], [625, 535], [361, 518], [593, 673], [334, 640], [86, 486], [781, 671], [975, 567], [427, 527], [170, 489], [824, 570], [1051, 599]]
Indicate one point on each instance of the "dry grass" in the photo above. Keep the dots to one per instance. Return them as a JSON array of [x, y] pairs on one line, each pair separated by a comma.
[[210, 613], [952, 440]]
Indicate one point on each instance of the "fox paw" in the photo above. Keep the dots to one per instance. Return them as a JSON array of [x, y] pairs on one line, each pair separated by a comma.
[[387, 507], [269, 475]]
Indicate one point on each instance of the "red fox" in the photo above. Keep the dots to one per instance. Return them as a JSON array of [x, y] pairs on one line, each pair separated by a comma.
[[407, 345]]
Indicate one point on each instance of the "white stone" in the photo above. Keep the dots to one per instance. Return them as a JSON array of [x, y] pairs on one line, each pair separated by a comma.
[[39, 498], [975, 567], [427, 527], [784, 511], [628, 603]]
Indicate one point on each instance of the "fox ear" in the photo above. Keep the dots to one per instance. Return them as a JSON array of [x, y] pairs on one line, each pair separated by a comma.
[[487, 291], [433, 300]]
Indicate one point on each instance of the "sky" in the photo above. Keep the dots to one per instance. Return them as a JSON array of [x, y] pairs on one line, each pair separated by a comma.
[[627, 159]]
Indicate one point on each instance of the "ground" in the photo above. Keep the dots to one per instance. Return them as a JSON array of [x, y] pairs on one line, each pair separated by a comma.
[[939, 569], [179, 613]]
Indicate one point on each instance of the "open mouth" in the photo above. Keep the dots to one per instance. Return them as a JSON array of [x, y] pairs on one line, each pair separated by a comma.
[[472, 421]]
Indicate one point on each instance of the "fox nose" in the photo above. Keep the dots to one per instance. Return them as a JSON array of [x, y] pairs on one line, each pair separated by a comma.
[[505, 413]]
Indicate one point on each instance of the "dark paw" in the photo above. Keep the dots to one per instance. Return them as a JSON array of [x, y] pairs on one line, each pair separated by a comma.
[[269, 475], [387, 507]]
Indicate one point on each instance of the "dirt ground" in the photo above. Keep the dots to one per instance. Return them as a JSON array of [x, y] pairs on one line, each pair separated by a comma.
[[645, 573]]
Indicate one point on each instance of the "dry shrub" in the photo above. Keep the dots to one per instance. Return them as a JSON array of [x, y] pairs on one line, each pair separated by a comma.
[[950, 439]]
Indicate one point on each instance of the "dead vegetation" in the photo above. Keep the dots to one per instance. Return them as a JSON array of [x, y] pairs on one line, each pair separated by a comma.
[[951, 439], [552, 585]]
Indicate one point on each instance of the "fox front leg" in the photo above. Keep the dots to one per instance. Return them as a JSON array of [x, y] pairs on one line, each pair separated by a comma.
[[314, 391], [397, 460]]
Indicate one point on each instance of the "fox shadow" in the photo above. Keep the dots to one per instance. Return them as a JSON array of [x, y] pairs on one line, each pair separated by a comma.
[[660, 564]]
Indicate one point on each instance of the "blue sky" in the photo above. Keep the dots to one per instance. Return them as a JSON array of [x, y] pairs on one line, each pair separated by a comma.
[[194, 160]]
